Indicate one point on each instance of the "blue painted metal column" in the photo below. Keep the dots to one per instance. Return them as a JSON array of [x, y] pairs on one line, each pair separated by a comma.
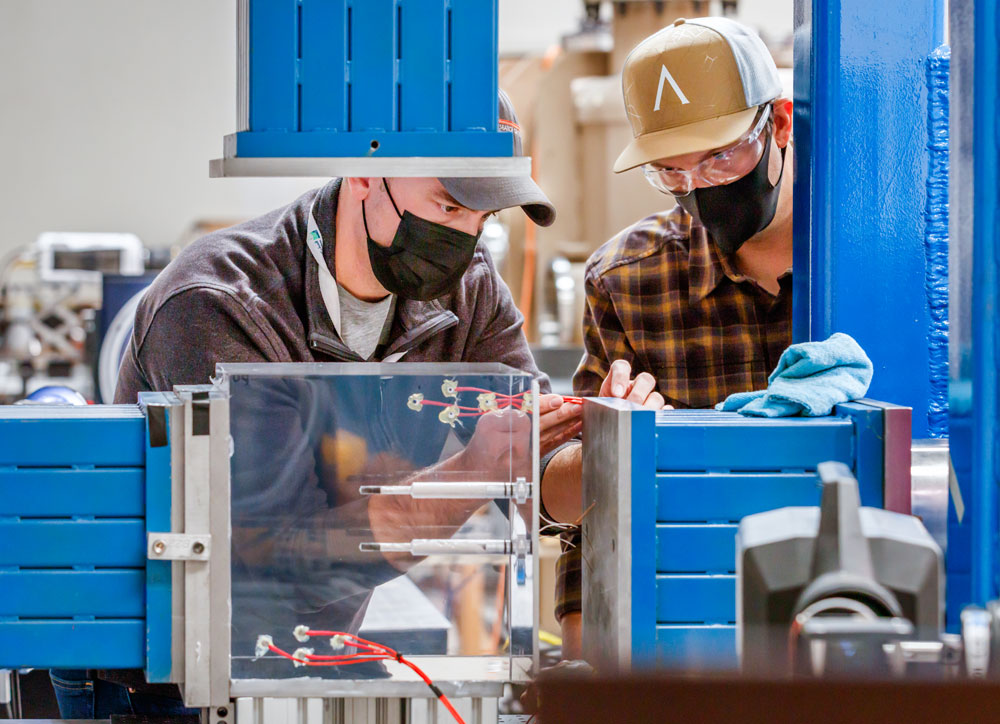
[[871, 192], [985, 286]]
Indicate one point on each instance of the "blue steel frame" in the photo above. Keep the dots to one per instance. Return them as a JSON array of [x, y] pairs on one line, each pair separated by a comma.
[[79, 490], [985, 287], [357, 78], [870, 209], [159, 584], [694, 475]]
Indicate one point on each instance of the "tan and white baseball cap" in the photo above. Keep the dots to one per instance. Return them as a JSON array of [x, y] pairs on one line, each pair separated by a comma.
[[694, 86]]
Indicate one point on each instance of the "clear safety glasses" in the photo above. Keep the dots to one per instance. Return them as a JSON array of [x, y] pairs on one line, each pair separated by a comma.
[[722, 167]]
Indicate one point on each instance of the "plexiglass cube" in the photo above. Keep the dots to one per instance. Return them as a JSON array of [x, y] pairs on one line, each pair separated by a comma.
[[320, 453]]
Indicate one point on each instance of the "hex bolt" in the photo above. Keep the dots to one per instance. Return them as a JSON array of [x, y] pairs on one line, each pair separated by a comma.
[[158, 547], [198, 547]]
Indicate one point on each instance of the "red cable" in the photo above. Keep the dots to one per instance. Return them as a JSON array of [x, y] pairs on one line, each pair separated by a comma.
[[373, 652]]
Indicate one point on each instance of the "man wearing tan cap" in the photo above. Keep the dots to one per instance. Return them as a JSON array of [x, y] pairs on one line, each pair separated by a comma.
[[696, 301]]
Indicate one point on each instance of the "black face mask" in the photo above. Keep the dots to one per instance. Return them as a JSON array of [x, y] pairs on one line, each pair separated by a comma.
[[734, 212], [425, 261]]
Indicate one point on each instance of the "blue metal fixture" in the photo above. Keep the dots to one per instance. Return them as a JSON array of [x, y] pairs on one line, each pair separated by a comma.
[[871, 192], [985, 287], [75, 589], [371, 79], [665, 493]]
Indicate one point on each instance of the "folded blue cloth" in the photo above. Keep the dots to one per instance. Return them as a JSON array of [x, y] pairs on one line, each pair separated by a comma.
[[809, 380]]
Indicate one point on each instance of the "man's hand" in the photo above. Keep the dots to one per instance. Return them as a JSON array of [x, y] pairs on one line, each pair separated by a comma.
[[558, 422], [641, 390]]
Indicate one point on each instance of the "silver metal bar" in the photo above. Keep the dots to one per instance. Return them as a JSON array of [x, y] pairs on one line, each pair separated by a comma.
[[534, 527], [219, 513], [337, 688], [458, 490], [414, 166], [197, 584], [449, 546], [176, 417], [930, 471], [607, 533], [178, 546]]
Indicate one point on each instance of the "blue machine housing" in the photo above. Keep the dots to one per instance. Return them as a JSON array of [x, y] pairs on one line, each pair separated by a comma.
[[79, 489], [693, 475], [357, 78]]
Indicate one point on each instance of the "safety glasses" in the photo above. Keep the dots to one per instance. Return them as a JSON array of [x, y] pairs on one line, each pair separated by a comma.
[[722, 167]]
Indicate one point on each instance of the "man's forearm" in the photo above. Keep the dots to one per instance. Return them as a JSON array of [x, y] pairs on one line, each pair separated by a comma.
[[562, 492]]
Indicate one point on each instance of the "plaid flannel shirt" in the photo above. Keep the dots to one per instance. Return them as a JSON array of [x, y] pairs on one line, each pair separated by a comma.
[[660, 297]]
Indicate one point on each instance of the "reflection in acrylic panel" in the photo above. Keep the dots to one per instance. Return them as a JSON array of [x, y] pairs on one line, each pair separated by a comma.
[[348, 517]]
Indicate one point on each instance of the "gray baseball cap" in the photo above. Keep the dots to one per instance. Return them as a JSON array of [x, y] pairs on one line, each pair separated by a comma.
[[482, 194]]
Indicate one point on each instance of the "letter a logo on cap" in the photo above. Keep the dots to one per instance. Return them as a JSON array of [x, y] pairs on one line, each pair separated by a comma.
[[665, 75]]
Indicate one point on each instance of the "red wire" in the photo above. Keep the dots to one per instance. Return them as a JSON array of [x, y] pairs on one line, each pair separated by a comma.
[[440, 695], [378, 652], [446, 404]]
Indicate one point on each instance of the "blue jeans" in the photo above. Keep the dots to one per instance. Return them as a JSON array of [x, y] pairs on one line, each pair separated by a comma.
[[82, 697]]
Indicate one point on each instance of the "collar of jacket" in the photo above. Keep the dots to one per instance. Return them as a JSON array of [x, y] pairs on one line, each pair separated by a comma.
[[413, 322]]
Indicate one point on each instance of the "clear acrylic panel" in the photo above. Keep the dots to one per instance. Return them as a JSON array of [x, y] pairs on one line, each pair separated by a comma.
[[388, 501]]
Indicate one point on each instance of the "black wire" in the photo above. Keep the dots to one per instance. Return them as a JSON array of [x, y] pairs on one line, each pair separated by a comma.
[[15, 698]]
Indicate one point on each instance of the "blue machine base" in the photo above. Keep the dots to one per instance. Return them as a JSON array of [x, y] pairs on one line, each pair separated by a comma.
[[695, 475], [361, 144]]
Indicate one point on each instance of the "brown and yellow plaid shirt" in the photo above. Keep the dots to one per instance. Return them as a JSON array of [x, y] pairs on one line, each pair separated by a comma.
[[659, 296]]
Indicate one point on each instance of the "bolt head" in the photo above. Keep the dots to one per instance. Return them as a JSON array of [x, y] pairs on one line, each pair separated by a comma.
[[198, 547], [158, 547]]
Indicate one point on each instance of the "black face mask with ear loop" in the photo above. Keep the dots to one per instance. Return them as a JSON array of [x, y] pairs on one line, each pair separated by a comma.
[[425, 261], [734, 212]]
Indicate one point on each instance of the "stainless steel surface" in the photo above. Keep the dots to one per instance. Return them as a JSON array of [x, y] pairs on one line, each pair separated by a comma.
[[393, 167], [331, 688], [219, 525], [533, 525], [607, 534], [176, 417], [197, 581], [178, 546], [930, 470], [365, 711]]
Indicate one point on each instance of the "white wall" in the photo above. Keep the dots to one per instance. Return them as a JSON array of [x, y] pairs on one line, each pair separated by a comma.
[[109, 113], [111, 109]]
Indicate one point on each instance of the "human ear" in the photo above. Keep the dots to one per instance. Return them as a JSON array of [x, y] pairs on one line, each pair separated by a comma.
[[360, 188], [782, 109]]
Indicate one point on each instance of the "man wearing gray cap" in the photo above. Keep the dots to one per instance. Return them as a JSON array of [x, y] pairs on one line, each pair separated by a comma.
[[362, 269], [694, 301]]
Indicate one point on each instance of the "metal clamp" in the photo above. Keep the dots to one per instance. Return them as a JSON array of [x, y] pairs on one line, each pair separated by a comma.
[[518, 491], [178, 546]]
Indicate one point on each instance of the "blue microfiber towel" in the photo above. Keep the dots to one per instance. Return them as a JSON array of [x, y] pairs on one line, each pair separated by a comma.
[[809, 380]]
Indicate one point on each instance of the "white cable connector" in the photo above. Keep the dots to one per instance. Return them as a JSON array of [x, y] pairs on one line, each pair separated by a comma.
[[300, 655], [338, 642], [300, 632], [263, 643]]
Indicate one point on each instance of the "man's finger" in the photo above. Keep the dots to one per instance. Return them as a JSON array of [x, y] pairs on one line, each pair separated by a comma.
[[558, 428], [565, 430], [616, 383], [549, 402], [643, 385], [654, 402], [556, 437], [564, 413]]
